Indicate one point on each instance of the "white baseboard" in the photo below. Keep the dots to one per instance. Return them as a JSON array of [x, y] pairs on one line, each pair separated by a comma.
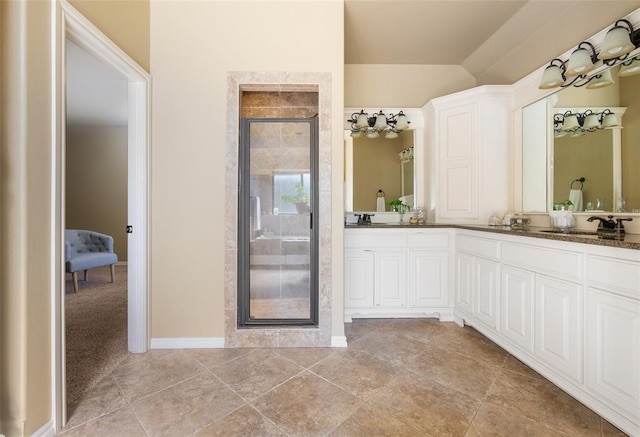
[[187, 343], [338, 341], [47, 430]]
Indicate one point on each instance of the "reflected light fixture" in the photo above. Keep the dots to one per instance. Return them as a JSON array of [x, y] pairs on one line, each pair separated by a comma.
[[629, 68], [378, 123], [601, 80]]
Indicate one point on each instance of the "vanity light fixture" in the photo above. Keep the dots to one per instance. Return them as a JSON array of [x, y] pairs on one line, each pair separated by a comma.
[[608, 119], [618, 42], [577, 124], [582, 60], [553, 75], [378, 123]]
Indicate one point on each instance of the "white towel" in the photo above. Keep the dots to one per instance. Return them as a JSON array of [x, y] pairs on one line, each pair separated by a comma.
[[575, 196], [380, 205]]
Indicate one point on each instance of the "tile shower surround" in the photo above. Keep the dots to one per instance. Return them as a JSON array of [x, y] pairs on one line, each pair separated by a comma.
[[292, 96], [398, 377]]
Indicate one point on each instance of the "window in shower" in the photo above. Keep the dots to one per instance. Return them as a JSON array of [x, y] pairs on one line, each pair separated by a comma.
[[277, 225]]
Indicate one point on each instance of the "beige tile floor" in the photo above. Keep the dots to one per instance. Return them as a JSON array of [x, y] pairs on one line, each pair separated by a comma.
[[402, 377]]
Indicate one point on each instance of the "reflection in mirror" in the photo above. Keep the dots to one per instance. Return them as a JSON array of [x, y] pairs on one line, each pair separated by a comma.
[[609, 169], [373, 164]]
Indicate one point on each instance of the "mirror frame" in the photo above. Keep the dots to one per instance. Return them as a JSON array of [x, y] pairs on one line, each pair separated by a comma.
[[416, 119]]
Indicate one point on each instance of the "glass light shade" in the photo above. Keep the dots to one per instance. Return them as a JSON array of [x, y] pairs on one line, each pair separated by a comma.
[[356, 133], [381, 122], [579, 63], [551, 78], [591, 122], [616, 43], [402, 123], [372, 133], [602, 80], [630, 69], [610, 120], [390, 135], [570, 123], [361, 121]]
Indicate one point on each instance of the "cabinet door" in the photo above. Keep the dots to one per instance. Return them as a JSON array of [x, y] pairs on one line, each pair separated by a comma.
[[558, 325], [612, 353], [464, 282], [458, 185], [390, 278], [358, 278], [428, 278], [487, 291], [516, 301]]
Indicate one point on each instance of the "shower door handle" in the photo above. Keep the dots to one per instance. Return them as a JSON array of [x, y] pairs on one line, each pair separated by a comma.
[[310, 220]]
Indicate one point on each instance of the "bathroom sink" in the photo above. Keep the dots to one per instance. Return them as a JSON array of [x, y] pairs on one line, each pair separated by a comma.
[[569, 232]]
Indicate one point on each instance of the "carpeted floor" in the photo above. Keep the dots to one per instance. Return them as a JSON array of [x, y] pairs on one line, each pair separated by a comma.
[[96, 330]]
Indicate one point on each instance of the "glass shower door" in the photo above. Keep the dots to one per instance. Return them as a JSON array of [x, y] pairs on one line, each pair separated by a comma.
[[277, 244]]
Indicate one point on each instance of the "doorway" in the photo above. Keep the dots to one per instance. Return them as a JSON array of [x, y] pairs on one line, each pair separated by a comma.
[[277, 229], [76, 28]]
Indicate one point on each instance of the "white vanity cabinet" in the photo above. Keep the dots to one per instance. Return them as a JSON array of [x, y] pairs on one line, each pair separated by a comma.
[[477, 278], [467, 140], [397, 272], [613, 331], [570, 311]]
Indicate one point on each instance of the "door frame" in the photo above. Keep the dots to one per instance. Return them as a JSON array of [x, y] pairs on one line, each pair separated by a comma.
[[244, 188], [70, 24]]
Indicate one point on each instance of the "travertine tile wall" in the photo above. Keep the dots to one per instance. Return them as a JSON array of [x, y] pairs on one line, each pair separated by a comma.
[[278, 95]]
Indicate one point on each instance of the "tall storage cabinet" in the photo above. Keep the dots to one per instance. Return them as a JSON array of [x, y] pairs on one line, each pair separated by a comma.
[[467, 138]]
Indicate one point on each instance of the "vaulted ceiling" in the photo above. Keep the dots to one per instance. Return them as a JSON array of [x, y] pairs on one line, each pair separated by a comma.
[[496, 41]]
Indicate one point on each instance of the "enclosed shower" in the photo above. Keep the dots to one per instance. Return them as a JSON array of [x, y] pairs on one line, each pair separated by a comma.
[[277, 230]]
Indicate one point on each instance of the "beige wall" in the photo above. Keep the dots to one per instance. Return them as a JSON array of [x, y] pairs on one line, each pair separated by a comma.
[[189, 131], [25, 251], [125, 22], [96, 171], [401, 86]]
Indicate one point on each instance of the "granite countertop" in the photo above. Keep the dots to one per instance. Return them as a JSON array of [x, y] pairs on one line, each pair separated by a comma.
[[631, 241]]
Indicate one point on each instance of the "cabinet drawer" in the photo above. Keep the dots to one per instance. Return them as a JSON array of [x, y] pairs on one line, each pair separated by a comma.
[[374, 240], [428, 240], [478, 246], [614, 274], [561, 263]]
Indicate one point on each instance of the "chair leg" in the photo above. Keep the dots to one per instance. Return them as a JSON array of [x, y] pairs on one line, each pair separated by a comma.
[[74, 276], [113, 271], [85, 275]]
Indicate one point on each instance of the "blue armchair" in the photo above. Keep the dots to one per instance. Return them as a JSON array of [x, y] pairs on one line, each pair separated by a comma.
[[85, 250]]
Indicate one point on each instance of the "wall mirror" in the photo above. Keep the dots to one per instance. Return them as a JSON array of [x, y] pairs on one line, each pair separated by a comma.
[[373, 164], [606, 158]]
